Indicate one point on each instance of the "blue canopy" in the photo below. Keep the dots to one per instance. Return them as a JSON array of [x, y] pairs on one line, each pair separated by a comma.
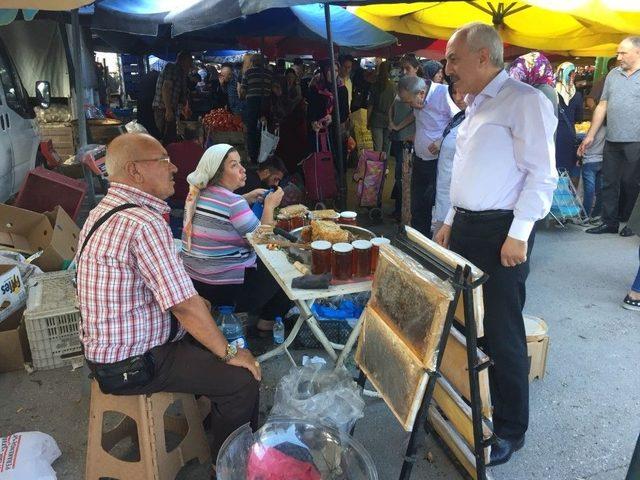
[[300, 21]]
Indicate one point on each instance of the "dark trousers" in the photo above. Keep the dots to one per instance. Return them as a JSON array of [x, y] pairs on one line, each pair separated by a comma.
[[166, 130], [187, 367], [259, 295], [620, 171], [397, 152], [480, 239], [423, 194], [252, 113]]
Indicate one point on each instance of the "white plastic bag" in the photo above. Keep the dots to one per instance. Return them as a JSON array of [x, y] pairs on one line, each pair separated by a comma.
[[28, 456], [268, 143]]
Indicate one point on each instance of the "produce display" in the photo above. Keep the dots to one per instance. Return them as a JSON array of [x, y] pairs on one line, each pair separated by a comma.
[[222, 120]]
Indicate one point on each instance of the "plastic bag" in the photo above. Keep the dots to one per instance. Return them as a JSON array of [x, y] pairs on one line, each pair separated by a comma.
[[319, 394], [288, 448], [28, 456], [27, 270], [134, 127], [268, 143]]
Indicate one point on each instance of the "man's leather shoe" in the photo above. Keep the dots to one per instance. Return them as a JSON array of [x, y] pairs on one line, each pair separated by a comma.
[[626, 232], [502, 450], [603, 228]]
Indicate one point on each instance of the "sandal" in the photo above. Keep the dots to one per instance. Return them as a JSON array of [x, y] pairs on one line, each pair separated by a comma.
[[631, 304]]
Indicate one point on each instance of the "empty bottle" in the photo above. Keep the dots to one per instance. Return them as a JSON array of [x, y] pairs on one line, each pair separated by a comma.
[[231, 327], [278, 331]]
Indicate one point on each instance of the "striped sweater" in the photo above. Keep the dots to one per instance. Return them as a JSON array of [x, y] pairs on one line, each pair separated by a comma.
[[219, 252]]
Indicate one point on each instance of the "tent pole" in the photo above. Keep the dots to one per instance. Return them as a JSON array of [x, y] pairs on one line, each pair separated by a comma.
[[342, 185], [76, 51]]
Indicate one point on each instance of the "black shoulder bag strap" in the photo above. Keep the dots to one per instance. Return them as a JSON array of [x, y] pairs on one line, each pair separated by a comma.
[[100, 221]]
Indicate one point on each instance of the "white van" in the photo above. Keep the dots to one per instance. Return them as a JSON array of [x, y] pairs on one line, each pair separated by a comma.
[[19, 137]]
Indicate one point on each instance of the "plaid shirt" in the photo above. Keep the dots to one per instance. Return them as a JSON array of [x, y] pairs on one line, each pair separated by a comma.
[[179, 87], [129, 276]]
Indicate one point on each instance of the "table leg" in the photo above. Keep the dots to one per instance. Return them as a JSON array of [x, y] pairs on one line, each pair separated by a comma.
[[288, 341], [347, 347]]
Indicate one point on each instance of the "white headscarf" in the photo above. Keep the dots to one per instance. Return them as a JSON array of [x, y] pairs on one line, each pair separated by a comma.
[[207, 168]]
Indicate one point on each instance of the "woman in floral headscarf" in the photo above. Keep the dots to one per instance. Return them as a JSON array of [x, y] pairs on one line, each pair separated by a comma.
[[534, 69], [569, 113]]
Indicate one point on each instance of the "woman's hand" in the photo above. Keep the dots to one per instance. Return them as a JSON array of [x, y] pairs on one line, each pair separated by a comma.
[[274, 198], [256, 195]]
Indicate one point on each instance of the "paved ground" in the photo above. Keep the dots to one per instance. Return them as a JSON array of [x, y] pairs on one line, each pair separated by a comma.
[[584, 414]]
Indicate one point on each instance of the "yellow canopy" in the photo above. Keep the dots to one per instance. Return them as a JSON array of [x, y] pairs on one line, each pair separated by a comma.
[[570, 27]]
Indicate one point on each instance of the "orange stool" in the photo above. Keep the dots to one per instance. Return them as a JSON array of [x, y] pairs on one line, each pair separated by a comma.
[[145, 422]]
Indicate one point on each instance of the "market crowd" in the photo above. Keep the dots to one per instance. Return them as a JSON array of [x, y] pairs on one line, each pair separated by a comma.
[[486, 142]]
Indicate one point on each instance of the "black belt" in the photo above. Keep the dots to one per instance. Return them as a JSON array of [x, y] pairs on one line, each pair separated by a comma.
[[482, 213]]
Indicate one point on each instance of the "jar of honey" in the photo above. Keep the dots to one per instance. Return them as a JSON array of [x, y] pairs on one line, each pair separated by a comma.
[[375, 250], [348, 218], [341, 261], [361, 258], [320, 257]]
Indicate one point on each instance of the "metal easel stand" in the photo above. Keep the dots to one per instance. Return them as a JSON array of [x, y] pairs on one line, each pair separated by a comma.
[[463, 284]]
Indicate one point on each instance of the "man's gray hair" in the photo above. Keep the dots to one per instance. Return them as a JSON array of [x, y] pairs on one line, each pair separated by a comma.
[[412, 85], [634, 40], [479, 35]]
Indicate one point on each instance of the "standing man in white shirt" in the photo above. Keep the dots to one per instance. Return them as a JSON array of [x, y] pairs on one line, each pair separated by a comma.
[[502, 182], [432, 111]]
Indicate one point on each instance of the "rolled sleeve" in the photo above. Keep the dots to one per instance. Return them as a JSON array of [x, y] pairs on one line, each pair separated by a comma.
[[450, 215], [160, 266], [534, 124]]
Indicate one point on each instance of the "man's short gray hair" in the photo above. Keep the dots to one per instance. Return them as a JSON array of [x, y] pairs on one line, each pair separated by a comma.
[[412, 85], [634, 40], [479, 35]]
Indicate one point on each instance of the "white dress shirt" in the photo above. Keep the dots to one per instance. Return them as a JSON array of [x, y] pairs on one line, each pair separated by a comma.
[[505, 154], [443, 179], [432, 119]]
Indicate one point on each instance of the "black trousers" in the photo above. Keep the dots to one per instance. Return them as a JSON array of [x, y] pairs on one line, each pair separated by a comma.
[[259, 295], [480, 239], [620, 176], [423, 194], [186, 366]]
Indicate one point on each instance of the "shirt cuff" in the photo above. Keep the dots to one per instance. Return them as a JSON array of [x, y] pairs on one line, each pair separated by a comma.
[[521, 229], [448, 220]]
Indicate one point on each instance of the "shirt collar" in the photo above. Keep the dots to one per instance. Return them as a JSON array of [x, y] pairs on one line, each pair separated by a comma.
[[137, 196], [491, 89]]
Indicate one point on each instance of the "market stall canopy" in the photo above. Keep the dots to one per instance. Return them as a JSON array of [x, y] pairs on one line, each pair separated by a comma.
[[300, 22], [58, 5], [198, 14], [577, 27]]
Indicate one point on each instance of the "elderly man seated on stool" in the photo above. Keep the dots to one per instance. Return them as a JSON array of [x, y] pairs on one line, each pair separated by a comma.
[[138, 303]]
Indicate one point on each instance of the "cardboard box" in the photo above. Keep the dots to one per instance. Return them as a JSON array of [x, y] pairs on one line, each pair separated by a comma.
[[13, 294], [14, 346], [53, 233]]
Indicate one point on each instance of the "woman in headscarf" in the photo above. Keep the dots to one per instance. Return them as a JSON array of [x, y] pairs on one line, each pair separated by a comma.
[[569, 113], [535, 69], [223, 266], [433, 71]]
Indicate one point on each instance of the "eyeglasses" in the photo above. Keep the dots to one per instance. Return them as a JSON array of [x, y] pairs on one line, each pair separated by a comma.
[[164, 160]]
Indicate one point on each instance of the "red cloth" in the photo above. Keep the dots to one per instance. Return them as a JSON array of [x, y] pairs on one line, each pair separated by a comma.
[[184, 155], [276, 465], [129, 276]]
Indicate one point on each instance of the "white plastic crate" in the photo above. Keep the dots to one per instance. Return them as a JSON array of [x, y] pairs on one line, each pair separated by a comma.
[[52, 320]]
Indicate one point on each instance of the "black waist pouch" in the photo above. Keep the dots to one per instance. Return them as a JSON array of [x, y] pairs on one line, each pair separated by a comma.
[[121, 376]]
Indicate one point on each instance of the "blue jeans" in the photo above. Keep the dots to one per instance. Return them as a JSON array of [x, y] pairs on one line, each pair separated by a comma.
[[592, 183], [636, 283]]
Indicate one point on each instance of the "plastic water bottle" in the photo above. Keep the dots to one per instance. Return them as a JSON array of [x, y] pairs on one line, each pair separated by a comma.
[[231, 327], [278, 331]]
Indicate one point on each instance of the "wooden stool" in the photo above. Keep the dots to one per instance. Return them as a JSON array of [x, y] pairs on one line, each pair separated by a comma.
[[145, 423], [537, 345]]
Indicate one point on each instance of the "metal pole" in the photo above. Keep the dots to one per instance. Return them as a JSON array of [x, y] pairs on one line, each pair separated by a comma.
[[76, 51], [342, 185]]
